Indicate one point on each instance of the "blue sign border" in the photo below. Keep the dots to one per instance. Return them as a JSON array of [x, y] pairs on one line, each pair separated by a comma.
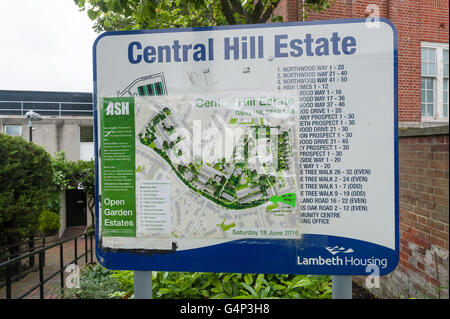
[[259, 253]]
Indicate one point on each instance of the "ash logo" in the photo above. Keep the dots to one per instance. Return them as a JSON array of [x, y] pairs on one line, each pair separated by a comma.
[[118, 108], [336, 250]]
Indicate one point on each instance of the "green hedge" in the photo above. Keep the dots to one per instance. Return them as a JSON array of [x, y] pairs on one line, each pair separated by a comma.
[[25, 185], [49, 222]]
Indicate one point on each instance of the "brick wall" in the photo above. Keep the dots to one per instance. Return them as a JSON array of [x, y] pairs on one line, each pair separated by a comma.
[[288, 9], [434, 20], [424, 217], [424, 212], [415, 20]]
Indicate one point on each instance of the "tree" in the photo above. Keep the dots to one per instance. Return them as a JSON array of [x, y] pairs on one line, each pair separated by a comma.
[[25, 185], [113, 15]]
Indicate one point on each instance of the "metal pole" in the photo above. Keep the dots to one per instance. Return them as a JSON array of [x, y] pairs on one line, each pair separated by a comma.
[[341, 287], [86, 249], [43, 245], [30, 126], [61, 267], [76, 251], [8, 282], [90, 239], [31, 248], [142, 284], [41, 275]]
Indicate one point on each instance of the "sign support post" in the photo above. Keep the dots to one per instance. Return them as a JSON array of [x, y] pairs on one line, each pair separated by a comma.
[[142, 284], [341, 287]]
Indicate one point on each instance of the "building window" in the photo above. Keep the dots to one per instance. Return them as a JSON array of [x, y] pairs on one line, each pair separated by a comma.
[[434, 91], [86, 134], [427, 97], [13, 130], [86, 143]]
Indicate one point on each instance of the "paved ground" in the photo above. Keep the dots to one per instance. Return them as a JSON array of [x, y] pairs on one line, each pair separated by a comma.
[[52, 264], [73, 231]]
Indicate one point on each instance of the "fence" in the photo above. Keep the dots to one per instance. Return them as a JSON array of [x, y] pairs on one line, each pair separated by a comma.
[[88, 252], [22, 245], [46, 108]]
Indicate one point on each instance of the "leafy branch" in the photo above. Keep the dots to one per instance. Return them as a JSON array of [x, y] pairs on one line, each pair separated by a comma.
[[112, 15]]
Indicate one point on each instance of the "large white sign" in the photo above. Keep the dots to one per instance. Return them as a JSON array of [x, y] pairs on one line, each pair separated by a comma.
[[261, 140]]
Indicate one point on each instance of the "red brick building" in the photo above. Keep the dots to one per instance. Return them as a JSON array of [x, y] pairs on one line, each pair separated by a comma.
[[423, 32]]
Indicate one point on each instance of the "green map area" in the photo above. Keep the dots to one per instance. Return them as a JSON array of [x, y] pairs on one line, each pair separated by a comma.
[[226, 227], [288, 198]]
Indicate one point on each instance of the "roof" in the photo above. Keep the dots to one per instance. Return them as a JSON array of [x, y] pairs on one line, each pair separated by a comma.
[[46, 103]]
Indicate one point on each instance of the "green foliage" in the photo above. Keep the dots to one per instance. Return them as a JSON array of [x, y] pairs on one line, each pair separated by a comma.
[[54, 202], [49, 222], [315, 6], [96, 282], [69, 175], [169, 285], [113, 15], [25, 185], [213, 285], [61, 169], [126, 279]]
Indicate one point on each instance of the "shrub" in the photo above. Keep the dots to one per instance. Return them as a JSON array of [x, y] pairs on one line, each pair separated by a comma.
[[96, 282], [54, 202], [25, 180], [240, 286], [99, 282], [49, 222], [195, 285], [126, 279]]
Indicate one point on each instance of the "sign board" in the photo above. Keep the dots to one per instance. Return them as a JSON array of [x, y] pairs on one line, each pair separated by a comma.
[[256, 149]]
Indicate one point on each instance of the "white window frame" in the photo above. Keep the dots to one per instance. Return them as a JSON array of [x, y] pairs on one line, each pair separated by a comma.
[[438, 82], [9, 125]]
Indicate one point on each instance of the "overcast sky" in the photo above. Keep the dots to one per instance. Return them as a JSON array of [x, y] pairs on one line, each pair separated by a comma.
[[45, 45]]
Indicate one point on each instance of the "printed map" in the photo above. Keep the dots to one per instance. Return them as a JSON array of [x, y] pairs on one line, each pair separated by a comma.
[[229, 164]]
